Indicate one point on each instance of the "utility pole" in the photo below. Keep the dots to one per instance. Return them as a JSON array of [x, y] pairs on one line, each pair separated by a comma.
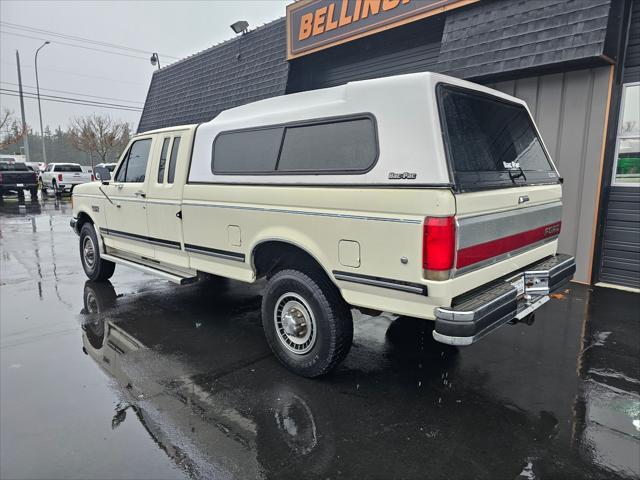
[[44, 152], [25, 133]]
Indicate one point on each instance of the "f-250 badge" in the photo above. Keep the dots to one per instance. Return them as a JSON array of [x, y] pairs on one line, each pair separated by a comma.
[[402, 176]]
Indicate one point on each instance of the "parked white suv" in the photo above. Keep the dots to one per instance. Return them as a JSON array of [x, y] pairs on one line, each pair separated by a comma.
[[420, 195]]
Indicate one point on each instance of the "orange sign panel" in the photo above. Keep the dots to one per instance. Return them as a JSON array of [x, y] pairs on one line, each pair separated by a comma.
[[313, 25]]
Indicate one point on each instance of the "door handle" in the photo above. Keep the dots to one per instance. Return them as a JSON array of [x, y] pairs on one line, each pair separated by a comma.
[[140, 193]]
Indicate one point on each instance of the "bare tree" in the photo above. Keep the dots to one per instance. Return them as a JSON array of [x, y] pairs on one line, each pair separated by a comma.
[[99, 136], [10, 131]]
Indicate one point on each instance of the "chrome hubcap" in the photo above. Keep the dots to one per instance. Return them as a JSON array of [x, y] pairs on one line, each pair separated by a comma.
[[295, 323], [88, 252]]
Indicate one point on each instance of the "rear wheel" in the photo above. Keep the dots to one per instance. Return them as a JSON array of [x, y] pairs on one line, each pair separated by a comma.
[[95, 267], [306, 322]]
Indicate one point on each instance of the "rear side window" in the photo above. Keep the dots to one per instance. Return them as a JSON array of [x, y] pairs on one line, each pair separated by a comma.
[[337, 146], [327, 146], [174, 158], [247, 151], [491, 142], [163, 159]]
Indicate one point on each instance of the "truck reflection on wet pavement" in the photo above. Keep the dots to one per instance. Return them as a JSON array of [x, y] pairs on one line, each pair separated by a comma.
[[139, 378]]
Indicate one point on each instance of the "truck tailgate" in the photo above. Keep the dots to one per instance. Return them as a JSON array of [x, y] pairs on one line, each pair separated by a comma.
[[498, 224], [15, 178]]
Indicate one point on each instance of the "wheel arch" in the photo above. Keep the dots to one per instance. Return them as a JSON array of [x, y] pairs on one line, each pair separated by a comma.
[[285, 251], [83, 218]]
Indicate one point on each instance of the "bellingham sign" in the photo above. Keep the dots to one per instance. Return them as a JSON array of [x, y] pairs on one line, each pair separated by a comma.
[[314, 25]]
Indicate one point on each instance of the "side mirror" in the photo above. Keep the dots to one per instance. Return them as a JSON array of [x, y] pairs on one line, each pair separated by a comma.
[[103, 174]]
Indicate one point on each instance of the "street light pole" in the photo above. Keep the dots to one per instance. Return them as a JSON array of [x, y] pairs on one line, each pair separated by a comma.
[[24, 120], [44, 152]]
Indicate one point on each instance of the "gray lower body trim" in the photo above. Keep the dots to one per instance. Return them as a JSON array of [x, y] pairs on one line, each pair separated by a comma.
[[381, 282], [213, 252], [141, 238]]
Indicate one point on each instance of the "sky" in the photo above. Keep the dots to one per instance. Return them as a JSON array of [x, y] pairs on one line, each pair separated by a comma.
[[173, 29]]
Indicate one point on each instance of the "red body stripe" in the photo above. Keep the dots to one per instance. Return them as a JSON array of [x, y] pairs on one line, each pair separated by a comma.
[[483, 251]]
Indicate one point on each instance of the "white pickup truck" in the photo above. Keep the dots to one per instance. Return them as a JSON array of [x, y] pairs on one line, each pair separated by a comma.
[[419, 195], [63, 177]]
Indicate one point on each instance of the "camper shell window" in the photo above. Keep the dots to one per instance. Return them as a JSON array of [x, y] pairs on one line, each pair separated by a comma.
[[491, 142], [339, 145]]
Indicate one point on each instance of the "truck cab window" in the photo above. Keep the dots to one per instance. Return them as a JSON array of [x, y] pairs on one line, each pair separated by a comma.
[[163, 159], [134, 167], [172, 161]]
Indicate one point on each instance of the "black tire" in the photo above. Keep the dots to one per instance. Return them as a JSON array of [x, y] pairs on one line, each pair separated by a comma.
[[94, 267], [319, 304]]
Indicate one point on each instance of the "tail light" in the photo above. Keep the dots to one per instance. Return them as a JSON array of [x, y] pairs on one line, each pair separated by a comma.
[[59, 177], [92, 177], [438, 247]]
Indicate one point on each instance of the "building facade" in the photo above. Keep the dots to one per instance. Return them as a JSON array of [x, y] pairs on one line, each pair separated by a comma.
[[575, 62]]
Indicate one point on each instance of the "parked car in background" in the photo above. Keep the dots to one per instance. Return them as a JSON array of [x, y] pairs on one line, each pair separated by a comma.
[[63, 177], [420, 195], [17, 177]]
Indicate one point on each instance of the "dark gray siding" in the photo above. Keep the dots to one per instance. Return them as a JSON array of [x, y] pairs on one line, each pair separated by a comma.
[[197, 88], [408, 49], [620, 261], [620, 256], [484, 40], [632, 57], [499, 37]]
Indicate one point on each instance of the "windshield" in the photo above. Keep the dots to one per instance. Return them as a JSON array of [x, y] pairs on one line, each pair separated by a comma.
[[491, 142]]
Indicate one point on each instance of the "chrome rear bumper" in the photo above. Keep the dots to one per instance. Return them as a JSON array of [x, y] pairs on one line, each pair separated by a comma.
[[474, 316]]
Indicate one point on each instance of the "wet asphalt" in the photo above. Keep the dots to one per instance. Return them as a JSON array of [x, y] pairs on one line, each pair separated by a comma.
[[140, 378]]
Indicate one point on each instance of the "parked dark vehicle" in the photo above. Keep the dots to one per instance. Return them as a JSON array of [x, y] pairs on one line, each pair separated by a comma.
[[16, 177]]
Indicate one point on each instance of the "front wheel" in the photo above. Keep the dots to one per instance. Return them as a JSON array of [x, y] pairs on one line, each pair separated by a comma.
[[95, 267], [306, 322]]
